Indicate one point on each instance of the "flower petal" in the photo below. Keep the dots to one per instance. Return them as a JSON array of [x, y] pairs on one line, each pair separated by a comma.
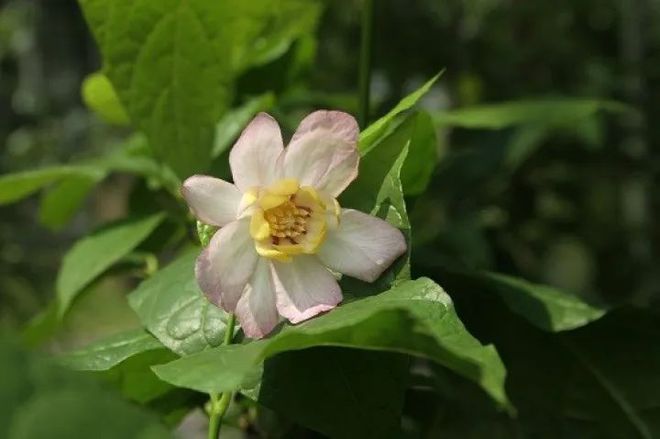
[[304, 288], [212, 201], [363, 246], [253, 159], [323, 152], [256, 310], [226, 264]]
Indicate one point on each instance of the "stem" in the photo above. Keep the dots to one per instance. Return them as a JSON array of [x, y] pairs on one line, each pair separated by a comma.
[[365, 60], [220, 402]]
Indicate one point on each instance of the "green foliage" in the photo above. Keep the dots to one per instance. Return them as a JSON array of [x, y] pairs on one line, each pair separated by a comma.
[[550, 112], [174, 73], [376, 129], [415, 317], [60, 203], [545, 307], [107, 353], [341, 393], [40, 400], [171, 306], [94, 254], [14, 187]]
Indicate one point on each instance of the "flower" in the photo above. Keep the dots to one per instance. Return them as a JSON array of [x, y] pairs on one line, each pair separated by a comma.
[[281, 226]]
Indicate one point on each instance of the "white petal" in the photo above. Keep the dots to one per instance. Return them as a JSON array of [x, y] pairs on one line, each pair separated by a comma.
[[212, 201], [226, 265], [304, 288], [253, 159], [256, 310], [363, 246], [323, 152]]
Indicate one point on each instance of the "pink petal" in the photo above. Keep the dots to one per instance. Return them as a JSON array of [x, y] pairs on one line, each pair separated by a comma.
[[323, 152], [256, 310], [225, 266], [304, 288], [212, 201], [363, 246], [253, 158]]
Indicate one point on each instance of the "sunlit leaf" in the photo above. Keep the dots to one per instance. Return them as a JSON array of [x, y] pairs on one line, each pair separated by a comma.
[[415, 317], [99, 95], [172, 62]]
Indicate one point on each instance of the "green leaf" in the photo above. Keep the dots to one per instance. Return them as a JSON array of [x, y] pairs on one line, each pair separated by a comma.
[[415, 317], [107, 353], [59, 204], [376, 129], [99, 95], [422, 156], [545, 307], [231, 125], [342, 393], [71, 403], [173, 62], [14, 187], [171, 306], [94, 254], [548, 112]]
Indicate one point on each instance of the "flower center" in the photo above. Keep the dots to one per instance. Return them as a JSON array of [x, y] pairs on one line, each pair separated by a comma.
[[289, 220]]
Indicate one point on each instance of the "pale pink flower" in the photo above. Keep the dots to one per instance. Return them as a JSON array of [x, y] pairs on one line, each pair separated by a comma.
[[281, 225]]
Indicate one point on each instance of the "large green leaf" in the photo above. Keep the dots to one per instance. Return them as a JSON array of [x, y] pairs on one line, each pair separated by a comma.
[[107, 353], [172, 62], [415, 317], [39, 400], [369, 135], [171, 306], [14, 187], [343, 393], [94, 254], [548, 112]]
